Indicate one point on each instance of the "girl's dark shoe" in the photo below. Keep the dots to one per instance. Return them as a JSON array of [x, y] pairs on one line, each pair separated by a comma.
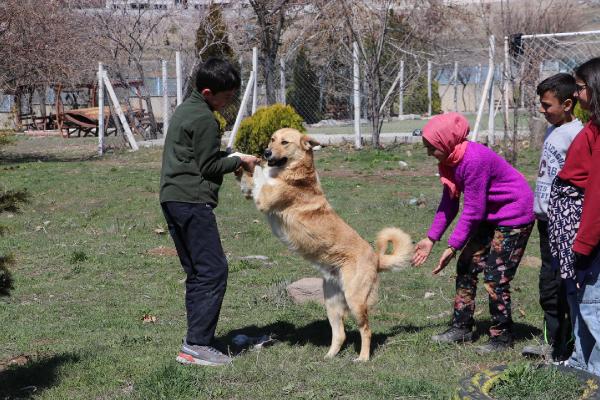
[[454, 335], [496, 343]]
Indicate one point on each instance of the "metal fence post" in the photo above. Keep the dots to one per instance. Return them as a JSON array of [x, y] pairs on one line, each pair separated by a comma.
[[165, 98], [100, 110], [178, 72], [356, 92], [429, 94], [486, 88], [491, 114], [240, 114], [255, 87], [455, 81], [401, 91]]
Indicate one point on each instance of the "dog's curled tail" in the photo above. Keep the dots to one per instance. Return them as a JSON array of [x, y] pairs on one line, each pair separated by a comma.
[[402, 248]]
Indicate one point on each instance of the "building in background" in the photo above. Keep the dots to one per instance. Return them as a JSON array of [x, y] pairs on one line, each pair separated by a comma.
[[174, 4]]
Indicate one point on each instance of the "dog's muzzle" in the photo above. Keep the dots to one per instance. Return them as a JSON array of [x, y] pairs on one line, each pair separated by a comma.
[[272, 161]]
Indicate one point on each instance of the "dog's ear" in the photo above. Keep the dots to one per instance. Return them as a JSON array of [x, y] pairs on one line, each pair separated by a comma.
[[308, 143]]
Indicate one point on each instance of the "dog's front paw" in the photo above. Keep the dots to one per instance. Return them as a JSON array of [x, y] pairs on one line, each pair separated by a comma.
[[246, 185], [259, 181]]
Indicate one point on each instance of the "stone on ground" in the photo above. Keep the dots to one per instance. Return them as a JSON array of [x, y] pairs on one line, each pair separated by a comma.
[[306, 289]]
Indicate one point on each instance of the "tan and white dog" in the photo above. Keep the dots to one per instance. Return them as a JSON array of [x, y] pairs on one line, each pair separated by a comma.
[[288, 192]]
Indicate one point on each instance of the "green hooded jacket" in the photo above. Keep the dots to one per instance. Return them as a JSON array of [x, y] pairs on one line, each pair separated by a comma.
[[193, 164]]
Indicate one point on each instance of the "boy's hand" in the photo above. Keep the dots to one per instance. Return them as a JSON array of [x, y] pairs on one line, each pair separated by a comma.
[[249, 162]]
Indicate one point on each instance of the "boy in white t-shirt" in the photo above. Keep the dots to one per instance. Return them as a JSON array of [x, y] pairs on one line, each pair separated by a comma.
[[557, 102]]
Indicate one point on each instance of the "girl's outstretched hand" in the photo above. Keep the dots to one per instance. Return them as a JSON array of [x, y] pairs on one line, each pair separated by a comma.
[[447, 255], [422, 250]]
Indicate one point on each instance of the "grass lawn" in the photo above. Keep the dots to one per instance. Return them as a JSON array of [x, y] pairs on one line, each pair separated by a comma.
[[90, 264]]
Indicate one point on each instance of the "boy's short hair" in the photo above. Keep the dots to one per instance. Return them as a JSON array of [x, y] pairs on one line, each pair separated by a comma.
[[561, 85], [218, 75]]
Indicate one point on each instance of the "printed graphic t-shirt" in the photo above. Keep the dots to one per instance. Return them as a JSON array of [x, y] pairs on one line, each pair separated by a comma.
[[556, 144]]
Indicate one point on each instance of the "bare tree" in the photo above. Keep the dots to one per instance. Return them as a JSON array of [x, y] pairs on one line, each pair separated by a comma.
[[385, 35], [44, 44], [510, 18], [271, 19], [130, 37], [464, 77]]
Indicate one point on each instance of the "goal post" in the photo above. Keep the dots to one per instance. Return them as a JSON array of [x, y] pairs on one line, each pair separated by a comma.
[[529, 59]]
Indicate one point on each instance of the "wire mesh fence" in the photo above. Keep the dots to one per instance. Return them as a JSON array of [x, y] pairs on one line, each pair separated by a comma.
[[319, 85], [536, 57]]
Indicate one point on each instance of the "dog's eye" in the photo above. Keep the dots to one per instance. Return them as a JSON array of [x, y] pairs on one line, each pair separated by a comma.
[[284, 142]]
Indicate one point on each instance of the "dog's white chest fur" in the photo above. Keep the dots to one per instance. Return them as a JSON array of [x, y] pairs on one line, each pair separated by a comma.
[[262, 177], [278, 229]]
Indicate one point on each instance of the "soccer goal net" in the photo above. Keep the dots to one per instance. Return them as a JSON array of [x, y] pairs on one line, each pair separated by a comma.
[[533, 58]]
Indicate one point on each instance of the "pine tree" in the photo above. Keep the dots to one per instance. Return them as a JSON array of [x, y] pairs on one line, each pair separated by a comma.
[[304, 92], [9, 202], [415, 100], [212, 39]]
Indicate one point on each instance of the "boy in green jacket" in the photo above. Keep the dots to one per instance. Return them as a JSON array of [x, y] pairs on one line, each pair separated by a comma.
[[192, 173]]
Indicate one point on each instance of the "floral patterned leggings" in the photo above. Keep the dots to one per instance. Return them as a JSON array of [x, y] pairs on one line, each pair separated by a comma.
[[496, 251]]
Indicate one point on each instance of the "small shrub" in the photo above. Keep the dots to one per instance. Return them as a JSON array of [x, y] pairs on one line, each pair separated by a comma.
[[78, 256], [6, 137], [10, 201], [256, 130], [6, 282], [526, 381], [171, 382], [277, 294], [242, 265], [581, 114]]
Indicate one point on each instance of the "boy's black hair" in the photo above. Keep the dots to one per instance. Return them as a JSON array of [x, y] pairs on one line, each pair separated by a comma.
[[589, 72], [218, 75], [561, 85]]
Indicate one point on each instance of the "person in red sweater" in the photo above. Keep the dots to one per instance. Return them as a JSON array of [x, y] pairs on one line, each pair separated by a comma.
[[574, 223]]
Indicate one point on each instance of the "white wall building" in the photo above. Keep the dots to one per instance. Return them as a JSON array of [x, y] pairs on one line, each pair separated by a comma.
[[173, 4]]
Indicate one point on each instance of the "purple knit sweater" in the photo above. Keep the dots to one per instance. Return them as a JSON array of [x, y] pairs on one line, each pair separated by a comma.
[[493, 191]]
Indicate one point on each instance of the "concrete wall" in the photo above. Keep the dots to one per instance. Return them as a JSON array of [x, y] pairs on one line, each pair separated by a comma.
[[468, 97]]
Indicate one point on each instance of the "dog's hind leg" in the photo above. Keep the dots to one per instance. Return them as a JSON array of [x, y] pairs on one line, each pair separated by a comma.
[[335, 304], [357, 297]]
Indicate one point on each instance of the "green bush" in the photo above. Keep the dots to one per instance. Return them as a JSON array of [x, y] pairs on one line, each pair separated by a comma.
[[256, 130], [581, 114], [221, 120], [415, 100]]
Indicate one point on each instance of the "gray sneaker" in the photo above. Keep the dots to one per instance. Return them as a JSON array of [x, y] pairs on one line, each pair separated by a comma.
[[454, 335], [543, 351], [202, 355]]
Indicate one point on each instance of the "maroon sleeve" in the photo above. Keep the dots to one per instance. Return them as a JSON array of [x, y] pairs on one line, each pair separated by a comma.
[[588, 235]]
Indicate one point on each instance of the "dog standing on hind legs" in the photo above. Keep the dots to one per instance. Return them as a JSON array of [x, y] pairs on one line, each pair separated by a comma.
[[288, 192]]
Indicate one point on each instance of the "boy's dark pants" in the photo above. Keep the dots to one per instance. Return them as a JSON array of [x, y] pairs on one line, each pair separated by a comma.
[[496, 251], [193, 228], [553, 299]]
